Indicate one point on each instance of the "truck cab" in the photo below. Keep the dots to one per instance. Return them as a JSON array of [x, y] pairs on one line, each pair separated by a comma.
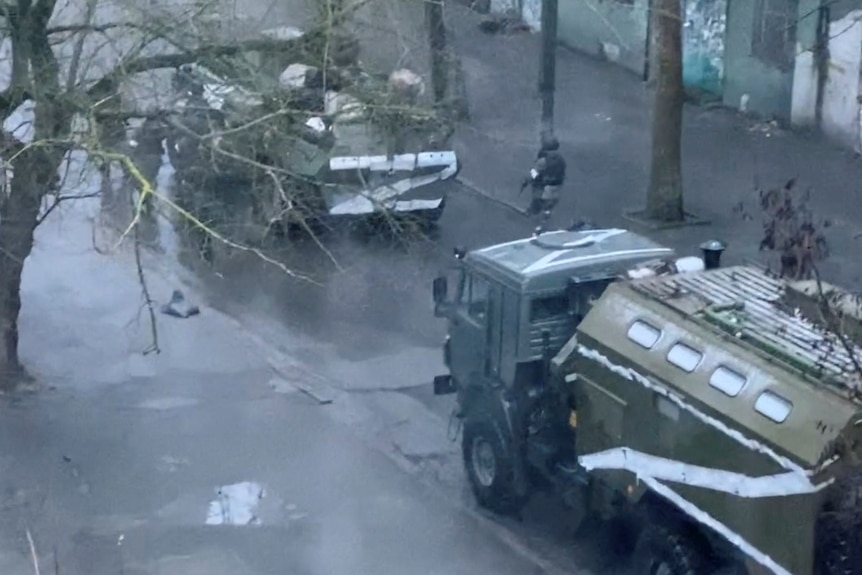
[[514, 306], [514, 303]]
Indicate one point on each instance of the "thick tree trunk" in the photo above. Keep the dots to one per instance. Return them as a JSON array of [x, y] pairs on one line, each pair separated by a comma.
[[35, 70], [664, 197], [16, 240]]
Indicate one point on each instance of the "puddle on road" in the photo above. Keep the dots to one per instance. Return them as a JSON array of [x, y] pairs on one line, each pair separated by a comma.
[[236, 504]]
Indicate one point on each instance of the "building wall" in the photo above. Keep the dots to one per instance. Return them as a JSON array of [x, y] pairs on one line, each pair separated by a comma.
[[751, 83], [615, 29], [703, 45], [840, 113], [803, 109]]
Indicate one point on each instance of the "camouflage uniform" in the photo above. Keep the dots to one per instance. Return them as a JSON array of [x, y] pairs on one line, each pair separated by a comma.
[[546, 178]]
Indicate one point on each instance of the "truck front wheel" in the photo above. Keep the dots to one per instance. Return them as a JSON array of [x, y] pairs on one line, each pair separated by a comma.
[[663, 551], [490, 466]]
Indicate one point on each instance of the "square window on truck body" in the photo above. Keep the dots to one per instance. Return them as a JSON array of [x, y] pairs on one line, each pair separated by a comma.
[[644, 334], [684, 357], [773, 406], [727, 381]]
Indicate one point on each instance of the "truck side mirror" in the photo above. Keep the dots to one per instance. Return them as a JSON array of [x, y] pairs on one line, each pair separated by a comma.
[[440, 289]]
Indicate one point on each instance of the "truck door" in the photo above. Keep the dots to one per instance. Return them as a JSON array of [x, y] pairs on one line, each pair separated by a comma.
[[468, 331]]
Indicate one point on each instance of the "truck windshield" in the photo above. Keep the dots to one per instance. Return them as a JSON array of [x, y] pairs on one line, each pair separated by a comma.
[[474, 296], [549, 307]]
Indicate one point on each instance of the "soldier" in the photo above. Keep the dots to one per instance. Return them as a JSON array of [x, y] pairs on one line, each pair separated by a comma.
[[546, 177]]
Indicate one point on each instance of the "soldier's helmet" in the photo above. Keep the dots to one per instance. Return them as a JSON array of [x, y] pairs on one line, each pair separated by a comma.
[[550, 144]]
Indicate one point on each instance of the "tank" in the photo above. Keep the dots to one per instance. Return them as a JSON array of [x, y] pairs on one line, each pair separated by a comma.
[[297, 157]]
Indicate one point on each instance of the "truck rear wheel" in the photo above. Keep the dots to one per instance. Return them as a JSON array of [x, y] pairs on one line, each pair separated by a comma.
[[490, 466], [662, 551]]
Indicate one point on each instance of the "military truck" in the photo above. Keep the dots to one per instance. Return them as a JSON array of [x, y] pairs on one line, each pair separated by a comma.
[[710, 410], [323, 163]]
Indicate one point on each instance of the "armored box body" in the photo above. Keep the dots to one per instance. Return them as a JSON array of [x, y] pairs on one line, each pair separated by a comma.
[[707, 390]]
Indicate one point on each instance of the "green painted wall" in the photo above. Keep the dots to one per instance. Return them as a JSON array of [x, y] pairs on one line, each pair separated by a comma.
[[703, 35], [613, 29], [769, 89]]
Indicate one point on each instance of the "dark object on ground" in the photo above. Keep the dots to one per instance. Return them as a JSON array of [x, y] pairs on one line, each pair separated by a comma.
[[578, 225], [502, 25], [179, 307]]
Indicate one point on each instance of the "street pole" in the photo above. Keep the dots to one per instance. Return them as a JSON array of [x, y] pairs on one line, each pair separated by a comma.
[[548, 64], [437, 42]]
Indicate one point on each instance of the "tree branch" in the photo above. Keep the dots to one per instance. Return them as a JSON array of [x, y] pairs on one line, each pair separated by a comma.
[[137, 65], [88, 28]]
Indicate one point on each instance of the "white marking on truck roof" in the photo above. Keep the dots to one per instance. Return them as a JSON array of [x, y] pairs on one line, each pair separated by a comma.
[[543, 235], [633, 375], [550, 259], [706, 519], [739, 484], [554, 259]]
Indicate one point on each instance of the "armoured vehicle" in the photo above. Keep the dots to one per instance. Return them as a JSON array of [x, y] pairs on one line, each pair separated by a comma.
[[710, 409], [306, 167]]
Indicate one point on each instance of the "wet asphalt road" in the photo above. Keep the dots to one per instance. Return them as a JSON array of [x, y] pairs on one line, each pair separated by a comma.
[[125, 463], [372, 296], [370, 326], [134, 500]]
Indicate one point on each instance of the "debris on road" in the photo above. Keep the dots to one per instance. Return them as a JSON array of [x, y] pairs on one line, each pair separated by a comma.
[[179, 307]]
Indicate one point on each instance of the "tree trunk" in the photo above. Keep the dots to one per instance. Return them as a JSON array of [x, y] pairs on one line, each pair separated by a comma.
[[664, 196], [35, 69], [16, 240]]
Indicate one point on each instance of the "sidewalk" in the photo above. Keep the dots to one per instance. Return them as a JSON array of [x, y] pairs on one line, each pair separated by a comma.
[[602, 122]]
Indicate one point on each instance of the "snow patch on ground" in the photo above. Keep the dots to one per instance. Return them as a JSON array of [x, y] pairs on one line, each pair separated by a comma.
[[235, 504]]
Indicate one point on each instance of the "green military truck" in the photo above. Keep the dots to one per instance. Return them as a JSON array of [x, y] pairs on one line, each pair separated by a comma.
[[709, 408]]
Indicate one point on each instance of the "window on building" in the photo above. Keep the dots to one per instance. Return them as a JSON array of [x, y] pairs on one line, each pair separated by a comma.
[[644, 334], [727, 381], [684, 357], [773, 406], [773, 38], [545, 308]]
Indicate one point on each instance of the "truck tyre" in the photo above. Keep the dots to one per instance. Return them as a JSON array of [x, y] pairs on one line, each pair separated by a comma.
[[662, 551], [486, 447]]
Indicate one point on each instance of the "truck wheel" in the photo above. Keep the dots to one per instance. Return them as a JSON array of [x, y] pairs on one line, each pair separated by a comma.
[[489, 466], [661, 551]]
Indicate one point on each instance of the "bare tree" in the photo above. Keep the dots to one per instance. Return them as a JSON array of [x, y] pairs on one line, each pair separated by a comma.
[[97, 82], [792, 232], [37, 62], [664, 195]]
